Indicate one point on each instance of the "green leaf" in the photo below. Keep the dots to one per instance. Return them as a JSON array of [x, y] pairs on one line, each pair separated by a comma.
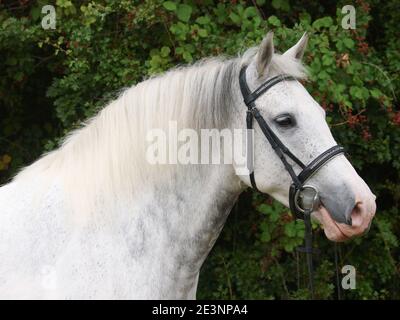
[[203, 33], [187, 56], [274, 216], [235, 18], [250, 12], [265, 236], [184, 12], [305, 18], [203, 20], [356, 92], [323, 75], [324, 22], [376, 93], [348, 103], [327, 60], [274, 21], [349, 43], [300, 230], [364, 93], [290, 230], [263, 208], [288, 247], [281, 4], [165, 51], [169, 5], [179, 50]]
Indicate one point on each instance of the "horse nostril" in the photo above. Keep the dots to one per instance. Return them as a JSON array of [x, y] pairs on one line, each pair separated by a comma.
[[356, 218]]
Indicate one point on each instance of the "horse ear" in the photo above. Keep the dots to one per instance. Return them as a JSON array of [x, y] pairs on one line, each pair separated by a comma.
[[297, 51], [265, 53]]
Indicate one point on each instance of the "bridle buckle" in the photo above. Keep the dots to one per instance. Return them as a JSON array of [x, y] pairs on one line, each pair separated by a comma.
[[306, 199]]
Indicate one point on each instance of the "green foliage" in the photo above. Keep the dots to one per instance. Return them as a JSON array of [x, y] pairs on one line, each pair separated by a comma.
[[53, 79]]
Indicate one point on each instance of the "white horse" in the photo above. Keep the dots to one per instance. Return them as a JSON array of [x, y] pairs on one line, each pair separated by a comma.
[[93, 219]]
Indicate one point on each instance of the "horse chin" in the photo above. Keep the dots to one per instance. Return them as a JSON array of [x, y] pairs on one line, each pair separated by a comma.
[[332, 229]]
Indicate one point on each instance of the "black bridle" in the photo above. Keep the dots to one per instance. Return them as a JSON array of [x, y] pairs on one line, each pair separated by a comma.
[[303, 199]]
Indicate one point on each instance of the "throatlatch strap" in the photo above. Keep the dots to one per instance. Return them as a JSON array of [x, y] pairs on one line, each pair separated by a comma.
[[249, 124]]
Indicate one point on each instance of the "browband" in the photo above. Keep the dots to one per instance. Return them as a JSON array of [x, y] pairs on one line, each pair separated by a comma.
[[248, 96]]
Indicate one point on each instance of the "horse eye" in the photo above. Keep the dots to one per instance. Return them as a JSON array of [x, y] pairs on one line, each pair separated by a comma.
[[284, 120]]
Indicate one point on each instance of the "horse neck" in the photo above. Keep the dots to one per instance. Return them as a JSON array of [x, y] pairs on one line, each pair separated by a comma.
[[178, 222]]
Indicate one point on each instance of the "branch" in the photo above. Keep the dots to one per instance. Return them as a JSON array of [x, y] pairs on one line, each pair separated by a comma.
[[347, 121]]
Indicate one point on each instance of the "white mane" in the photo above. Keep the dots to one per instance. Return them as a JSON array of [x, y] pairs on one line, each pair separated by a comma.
[[106, 157]]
